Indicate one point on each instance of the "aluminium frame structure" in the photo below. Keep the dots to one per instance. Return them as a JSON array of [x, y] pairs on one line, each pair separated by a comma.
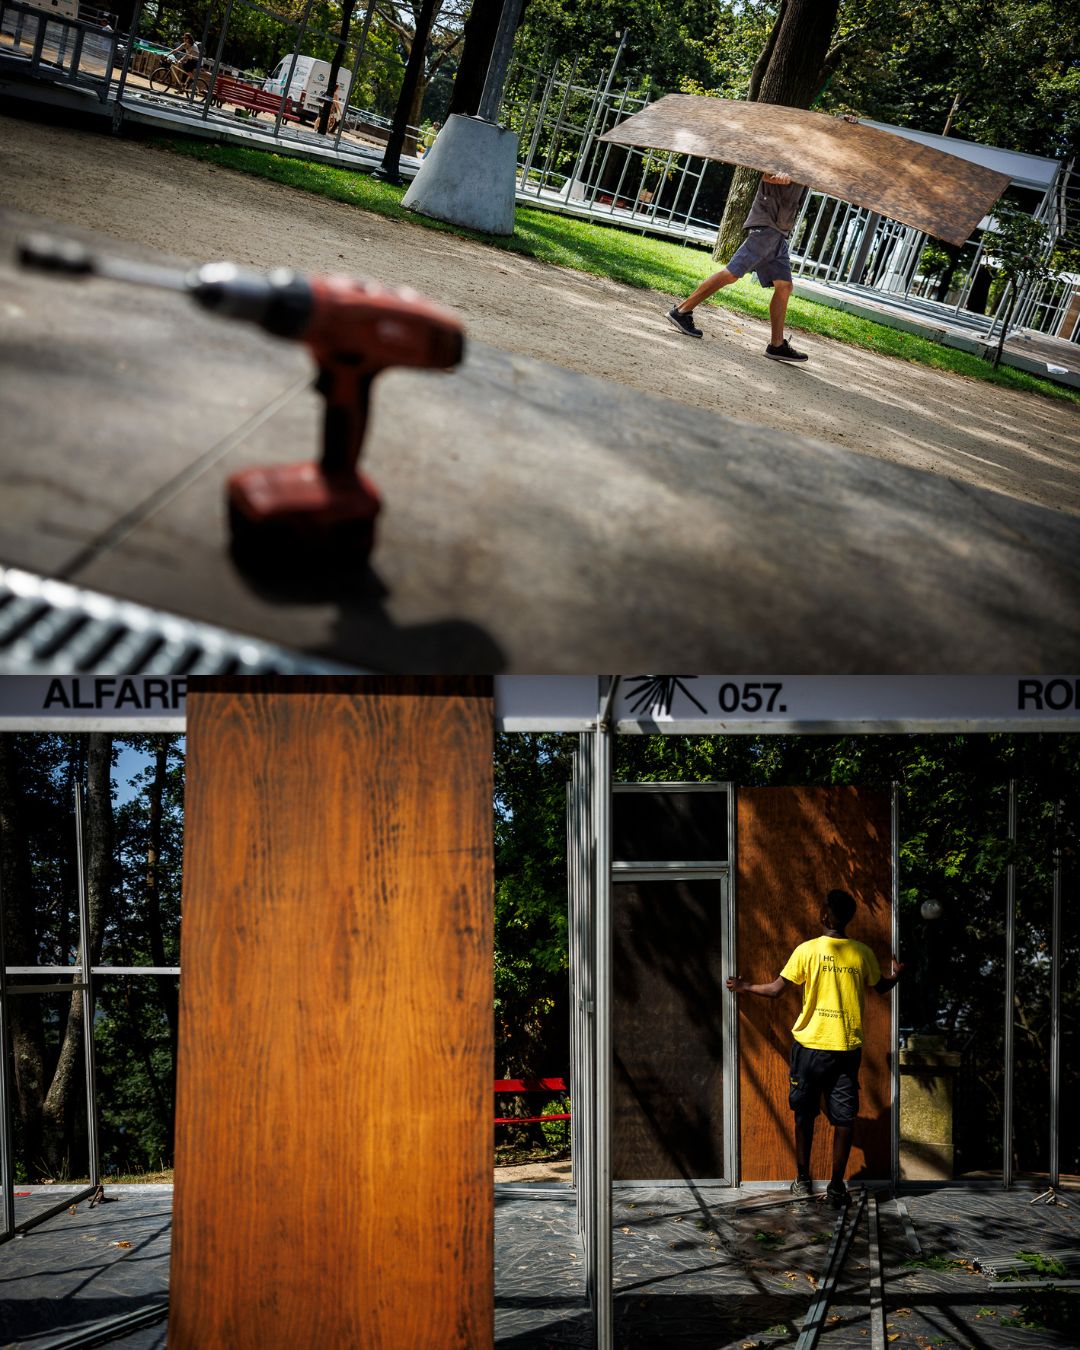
[[589, 707]]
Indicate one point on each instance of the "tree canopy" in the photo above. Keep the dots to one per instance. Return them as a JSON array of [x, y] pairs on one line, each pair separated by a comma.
[[1003, 72]]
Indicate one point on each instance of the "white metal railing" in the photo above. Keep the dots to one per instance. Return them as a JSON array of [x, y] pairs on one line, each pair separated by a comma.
[[58, 48]]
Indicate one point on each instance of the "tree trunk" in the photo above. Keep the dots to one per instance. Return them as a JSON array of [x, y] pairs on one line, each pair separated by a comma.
[[21, 949], [391, 161], [480, 29], [794, 57], [59, 1113]]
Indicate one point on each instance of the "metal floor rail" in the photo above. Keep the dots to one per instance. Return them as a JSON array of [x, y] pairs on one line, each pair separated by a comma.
[[50, 627]]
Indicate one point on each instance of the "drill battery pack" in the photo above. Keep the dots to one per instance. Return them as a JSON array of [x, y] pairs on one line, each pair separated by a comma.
[[293, 516]]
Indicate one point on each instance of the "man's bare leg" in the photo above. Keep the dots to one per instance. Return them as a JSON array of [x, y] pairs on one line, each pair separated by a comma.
[[708, 287], [804, 1142], [841, 1151], [778, 310]]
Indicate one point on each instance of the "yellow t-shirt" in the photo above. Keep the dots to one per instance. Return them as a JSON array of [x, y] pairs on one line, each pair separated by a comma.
[[835, 974]]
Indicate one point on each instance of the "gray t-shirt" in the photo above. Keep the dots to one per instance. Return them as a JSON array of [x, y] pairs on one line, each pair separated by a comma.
[[775, 206]]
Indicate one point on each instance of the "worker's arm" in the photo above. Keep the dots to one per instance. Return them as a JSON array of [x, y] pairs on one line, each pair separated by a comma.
[[738, 985], [887, 981], [780, 178]]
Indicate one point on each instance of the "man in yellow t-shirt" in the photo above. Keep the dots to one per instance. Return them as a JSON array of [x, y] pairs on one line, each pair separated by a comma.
[[834, 973]]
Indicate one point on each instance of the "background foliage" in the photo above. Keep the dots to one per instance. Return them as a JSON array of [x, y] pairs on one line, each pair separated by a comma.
[[953, 848]]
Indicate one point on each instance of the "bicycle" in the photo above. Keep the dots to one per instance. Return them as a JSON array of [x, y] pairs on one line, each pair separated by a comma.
[[169, 78]]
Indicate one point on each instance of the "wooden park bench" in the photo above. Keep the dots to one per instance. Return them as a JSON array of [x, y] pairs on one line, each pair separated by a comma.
[[551, 1086], [228, 89]]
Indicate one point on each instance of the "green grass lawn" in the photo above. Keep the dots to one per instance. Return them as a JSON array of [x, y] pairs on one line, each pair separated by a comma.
[[607, 251]]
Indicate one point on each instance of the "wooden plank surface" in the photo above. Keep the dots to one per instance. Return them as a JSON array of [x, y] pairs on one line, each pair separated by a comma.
[[940, 193], [795, 845], [337, 939]]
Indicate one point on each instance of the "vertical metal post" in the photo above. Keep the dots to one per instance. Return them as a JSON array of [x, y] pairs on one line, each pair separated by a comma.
[[665, 170], [301, 30], [217, 59], [693, 200], [598, 103], [729, 1025], [1055, 1008], [87, 993], [556, 132], [969, 280], [7, 1155], [894, 995], [136, 19], [1010, 994], [602, 759], [537, 128], [360, 46]]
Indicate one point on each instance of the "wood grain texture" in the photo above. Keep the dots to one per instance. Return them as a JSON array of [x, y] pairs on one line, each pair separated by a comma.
[[940, 193], [793, 846], [333, 1142]]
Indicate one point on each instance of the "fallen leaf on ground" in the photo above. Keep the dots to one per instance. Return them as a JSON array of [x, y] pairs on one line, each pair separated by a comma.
[[119, 1244]]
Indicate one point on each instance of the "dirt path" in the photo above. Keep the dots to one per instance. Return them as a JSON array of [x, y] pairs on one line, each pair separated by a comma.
[[1021, 444]]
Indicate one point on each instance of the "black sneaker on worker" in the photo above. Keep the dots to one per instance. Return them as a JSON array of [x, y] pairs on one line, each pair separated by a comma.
[[801, 1189], [684, 322], [785, 352], [836, 1193]]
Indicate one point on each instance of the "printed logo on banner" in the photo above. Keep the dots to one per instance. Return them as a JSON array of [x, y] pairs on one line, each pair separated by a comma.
[[656, 693]]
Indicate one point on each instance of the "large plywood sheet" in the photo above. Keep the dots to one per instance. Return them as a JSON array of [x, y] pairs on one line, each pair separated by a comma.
[[793, 846], [333, 1138], [942, 194]]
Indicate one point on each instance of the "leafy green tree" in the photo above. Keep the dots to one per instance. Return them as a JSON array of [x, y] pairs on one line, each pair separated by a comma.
[[953, 848], [1020, 246]]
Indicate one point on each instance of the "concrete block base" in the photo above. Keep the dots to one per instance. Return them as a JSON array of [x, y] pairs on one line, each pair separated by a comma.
[[468, 177]]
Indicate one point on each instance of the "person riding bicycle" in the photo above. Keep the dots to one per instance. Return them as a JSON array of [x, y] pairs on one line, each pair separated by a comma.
[[188, 56]]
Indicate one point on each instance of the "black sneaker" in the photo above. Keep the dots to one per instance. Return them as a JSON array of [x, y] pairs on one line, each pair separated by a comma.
[[836, 1193], [785, 352], [683, 322], [801, 1189]]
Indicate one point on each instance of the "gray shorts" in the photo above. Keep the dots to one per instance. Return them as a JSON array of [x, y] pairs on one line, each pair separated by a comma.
[[765, 252]]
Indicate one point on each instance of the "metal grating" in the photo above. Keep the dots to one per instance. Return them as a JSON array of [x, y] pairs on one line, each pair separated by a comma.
[[50, 627]]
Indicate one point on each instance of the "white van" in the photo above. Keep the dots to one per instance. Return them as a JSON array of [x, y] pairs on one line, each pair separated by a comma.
[[310, 79]]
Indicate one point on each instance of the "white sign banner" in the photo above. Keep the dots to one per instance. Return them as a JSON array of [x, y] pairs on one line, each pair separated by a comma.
[[880, 703], [644, 704]]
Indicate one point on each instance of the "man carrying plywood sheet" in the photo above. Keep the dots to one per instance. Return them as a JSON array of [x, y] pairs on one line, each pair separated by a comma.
[[765, 252]]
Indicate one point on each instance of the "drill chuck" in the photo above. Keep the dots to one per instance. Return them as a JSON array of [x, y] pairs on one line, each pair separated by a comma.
[[279, 302]]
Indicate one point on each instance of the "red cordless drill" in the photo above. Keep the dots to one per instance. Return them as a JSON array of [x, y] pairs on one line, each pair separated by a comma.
[[354, 329]]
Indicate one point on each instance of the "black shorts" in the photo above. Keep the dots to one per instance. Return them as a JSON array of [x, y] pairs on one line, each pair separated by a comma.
[[833, 1074]]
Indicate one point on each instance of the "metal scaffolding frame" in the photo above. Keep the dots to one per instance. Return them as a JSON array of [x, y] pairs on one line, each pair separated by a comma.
[[301, 28], [833, 242], [77, 978]]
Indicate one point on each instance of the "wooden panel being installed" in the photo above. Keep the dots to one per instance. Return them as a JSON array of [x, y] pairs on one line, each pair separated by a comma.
[[333, 1137], [940, 193], [667, 1077], [793, 846]]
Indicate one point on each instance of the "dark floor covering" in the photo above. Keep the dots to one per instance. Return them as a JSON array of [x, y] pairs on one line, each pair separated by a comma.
[[693, 1270]]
